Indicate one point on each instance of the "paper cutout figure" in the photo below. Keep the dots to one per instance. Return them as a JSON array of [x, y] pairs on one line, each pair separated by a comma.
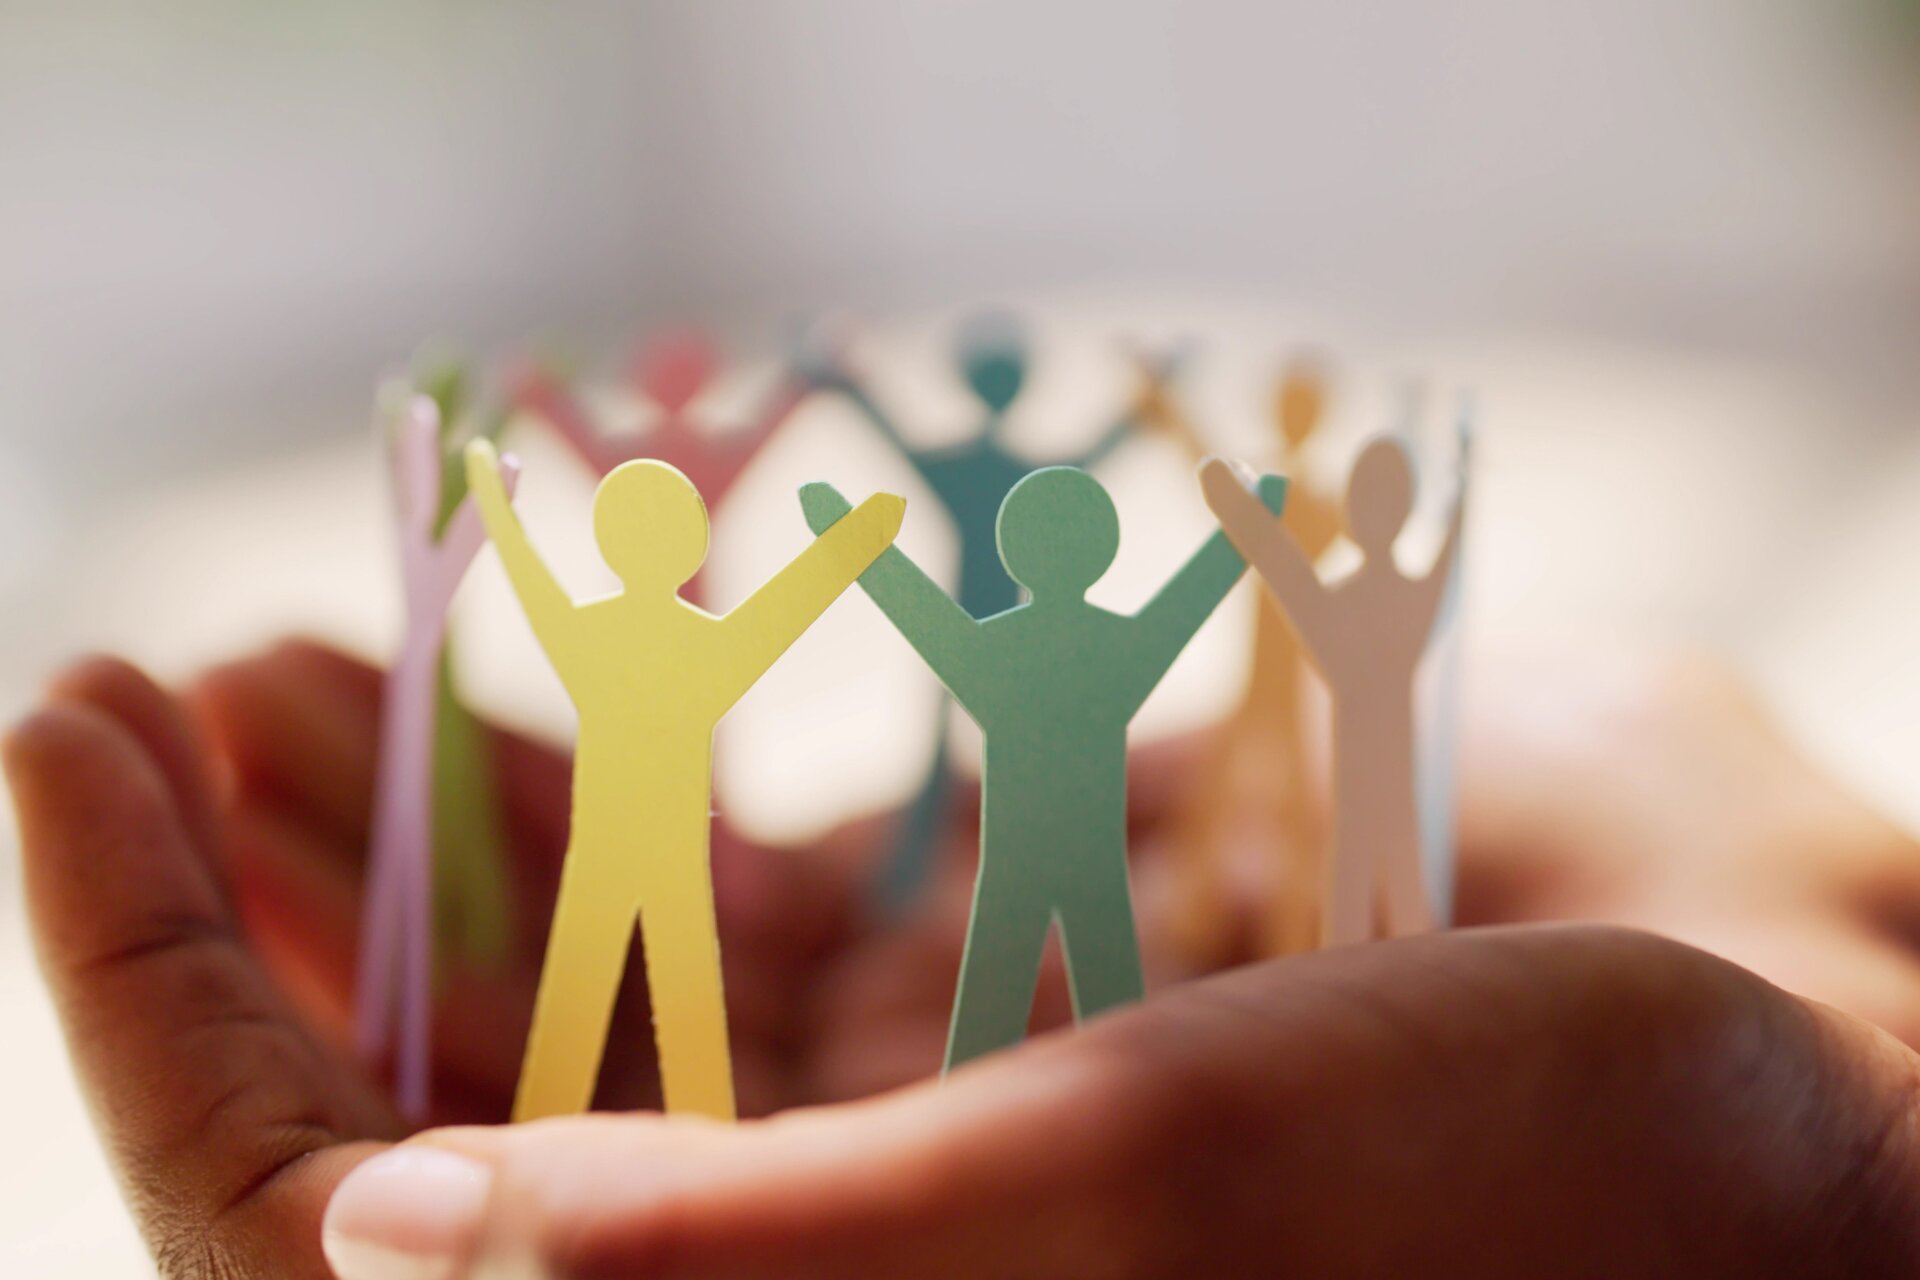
[[1052, 683], [1366, 634], [472, 911], [1440, 731], [1254, 786], [650, 676], [970, 480], [671, 371], [397, 908]]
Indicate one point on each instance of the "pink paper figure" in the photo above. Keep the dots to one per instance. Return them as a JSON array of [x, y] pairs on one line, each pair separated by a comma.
[[672, 371], [396, 924]]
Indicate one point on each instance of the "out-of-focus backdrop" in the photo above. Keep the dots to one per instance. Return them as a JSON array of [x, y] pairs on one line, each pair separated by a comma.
[[1672, 245]]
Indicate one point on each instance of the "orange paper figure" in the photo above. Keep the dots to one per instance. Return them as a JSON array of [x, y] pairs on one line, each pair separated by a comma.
[[1254, 788], [1366, 634], [671, 371], [650, 676]]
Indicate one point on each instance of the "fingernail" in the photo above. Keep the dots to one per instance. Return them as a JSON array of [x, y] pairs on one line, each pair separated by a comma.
[[412, 1213]]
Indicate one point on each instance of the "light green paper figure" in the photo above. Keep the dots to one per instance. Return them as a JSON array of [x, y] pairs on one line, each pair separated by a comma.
[[472, 911], [1053, 684]]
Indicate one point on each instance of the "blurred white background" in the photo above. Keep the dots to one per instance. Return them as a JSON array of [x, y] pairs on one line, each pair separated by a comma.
[[1673, 244]]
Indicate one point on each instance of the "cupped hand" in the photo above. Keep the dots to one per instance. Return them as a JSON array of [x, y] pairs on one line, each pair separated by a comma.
[[1534, 1102], [1657, 792], [195, 904], [1564, 1101]]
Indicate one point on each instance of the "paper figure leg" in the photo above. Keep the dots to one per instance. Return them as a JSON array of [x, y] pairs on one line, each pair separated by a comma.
[[379, 934], [1438, 759], [1000, 967], [413, 1072], [906, 869], [471, 907], [679, 934], [1350, 890], [1295, 915], [402, 830], [1202, 908], [1102, 952], [586, 955], [1405, 891]]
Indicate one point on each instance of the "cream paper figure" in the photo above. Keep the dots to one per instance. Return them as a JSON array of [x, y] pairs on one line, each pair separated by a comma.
[[1367, 634]]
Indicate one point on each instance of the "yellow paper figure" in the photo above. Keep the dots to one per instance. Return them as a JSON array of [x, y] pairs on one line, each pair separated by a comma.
[[1254, 786], [650, 676]]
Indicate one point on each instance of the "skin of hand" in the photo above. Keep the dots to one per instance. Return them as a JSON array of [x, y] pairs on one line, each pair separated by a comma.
[[1564, 1100]]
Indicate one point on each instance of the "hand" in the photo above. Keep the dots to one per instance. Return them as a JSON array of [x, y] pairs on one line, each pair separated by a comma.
[[1353, 1113], [1657, 793], [297, 728], [199, 946], [1350, 1113]]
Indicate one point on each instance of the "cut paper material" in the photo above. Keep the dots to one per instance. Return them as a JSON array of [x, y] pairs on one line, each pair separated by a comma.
[[671, 372], [1366, 634], [970, 480], [1254, 788], [650, 675], [1053, 684], [1440, 728], [395, 976], [472, 914]]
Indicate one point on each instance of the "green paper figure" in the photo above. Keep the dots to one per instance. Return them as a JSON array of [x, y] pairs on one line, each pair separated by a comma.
[[970, 480], [471, 909], [1053, 684]]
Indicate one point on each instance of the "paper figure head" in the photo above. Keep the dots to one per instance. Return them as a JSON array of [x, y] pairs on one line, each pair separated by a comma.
[[993, 357], [1300, 399], [651, 525], [1380, 495], [1058, 532], [675, 367]]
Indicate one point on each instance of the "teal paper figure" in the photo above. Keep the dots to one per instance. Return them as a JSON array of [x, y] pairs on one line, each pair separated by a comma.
[[970, 480], [1053, 684]]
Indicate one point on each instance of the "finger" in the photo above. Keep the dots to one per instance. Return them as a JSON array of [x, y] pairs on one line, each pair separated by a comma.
[[301, 725], [1354, 1113], [299, 728], [301, 906], [171, 740], [218, 1110]]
